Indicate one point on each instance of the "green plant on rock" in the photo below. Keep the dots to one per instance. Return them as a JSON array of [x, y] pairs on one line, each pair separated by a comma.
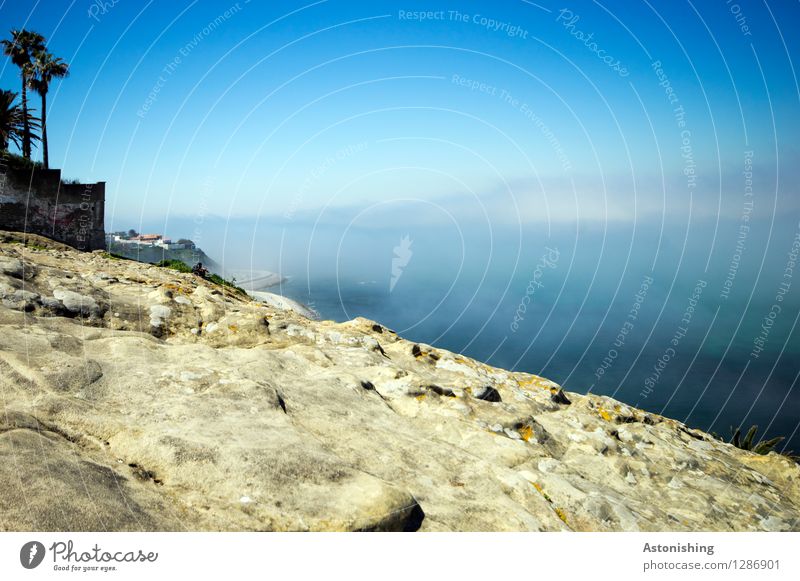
[[112, 256], [173, 264], [215, 278], [181, 266], [761, 447]]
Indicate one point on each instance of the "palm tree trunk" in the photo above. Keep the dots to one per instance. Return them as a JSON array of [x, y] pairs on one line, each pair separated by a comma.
[[26, 128], [46, 158]]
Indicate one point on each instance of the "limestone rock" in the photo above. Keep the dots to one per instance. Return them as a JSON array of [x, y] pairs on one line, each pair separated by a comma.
[[76, 303], [11, 267]]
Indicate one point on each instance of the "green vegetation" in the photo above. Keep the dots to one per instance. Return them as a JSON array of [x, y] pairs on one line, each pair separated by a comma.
[[21, 47], [112, 256], [26, 244], [181, 266], [14, 161], [761, 447], [45, 68], [231, 284], [13, 121], [38, 68], [178, 265]]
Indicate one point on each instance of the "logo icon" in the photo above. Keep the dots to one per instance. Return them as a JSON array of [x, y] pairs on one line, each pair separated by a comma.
[[402, 256], [31, 554]]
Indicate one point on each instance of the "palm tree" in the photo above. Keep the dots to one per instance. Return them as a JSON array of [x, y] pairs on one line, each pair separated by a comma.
[[21, 47], [45, 67], [12, 121]]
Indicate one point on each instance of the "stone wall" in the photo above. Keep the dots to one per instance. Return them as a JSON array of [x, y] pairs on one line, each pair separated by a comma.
[[38, 202]]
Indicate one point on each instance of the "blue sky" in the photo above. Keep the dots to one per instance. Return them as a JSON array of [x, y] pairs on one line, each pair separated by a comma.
[[505, 110]]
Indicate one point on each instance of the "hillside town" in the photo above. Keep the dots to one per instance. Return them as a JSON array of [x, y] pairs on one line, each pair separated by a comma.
[[132, 238]]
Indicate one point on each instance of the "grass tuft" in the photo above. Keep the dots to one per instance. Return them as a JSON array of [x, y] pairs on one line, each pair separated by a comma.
[[181, 266]]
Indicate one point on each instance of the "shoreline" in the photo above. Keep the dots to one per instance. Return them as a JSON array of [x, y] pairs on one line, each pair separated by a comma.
[[283, 303], [251, 279]]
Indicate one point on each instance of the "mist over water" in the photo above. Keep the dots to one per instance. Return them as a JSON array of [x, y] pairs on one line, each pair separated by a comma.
[[677, 319]]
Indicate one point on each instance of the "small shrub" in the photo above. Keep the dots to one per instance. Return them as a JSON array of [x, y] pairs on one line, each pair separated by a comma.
[[215, 278], [14, 161], [173, 264], [112, 256], [762, 447], [181, 266]]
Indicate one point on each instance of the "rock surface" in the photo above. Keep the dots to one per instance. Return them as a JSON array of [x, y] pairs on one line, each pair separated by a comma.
[[139, 398]]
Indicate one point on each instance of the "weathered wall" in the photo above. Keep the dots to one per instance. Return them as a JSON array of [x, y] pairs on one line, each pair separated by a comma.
[[37, 202]]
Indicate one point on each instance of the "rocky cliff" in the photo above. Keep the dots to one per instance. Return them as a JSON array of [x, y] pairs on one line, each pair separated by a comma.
[[154, 254], [138, 398]]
